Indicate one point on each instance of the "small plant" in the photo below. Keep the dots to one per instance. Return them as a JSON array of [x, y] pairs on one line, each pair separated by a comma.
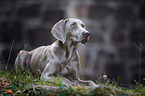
[[104, 79], [139, 90], [107, 81]]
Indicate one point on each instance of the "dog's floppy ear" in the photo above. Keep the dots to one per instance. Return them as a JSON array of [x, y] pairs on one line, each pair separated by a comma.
[[58, 31]]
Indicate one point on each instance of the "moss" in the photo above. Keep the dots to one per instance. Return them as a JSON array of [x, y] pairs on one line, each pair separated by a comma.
[[102, 90]]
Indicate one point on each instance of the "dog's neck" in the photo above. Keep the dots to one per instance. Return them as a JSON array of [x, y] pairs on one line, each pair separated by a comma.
[[70, 47]]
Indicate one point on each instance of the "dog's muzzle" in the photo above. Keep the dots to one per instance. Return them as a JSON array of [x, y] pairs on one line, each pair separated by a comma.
[[85, 37]]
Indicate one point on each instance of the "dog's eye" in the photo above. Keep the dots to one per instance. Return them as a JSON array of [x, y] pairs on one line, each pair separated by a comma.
[[82, 25], [73, 25]]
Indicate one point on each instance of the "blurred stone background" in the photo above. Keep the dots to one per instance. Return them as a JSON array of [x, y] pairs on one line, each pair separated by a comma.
[[115, 27]]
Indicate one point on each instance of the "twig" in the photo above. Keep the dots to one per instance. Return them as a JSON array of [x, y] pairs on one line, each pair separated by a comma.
[[10, 54], [2, 57], [140, 59]]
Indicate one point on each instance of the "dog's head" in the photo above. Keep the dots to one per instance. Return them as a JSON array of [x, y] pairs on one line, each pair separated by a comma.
[[73, 29]]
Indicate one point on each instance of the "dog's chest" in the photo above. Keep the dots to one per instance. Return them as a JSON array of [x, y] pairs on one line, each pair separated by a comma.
[[64, 71], [67, 69]]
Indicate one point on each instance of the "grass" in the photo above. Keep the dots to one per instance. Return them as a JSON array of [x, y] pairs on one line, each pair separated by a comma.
[[17, 83], [12, 83]]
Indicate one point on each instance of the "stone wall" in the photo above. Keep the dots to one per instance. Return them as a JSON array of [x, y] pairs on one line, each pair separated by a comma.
[[115, 27]]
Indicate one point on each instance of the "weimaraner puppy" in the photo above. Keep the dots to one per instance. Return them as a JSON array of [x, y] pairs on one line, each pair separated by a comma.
[[59, 59]]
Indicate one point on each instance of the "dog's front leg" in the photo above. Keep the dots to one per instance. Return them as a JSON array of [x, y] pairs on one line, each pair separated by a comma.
[[87, 83], [50, 72]]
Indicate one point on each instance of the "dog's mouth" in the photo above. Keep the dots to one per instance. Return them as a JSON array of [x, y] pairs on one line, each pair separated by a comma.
[[84, 40]]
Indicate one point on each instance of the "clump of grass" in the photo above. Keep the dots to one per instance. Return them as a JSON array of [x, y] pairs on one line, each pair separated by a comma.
[[24, 83], [21, 81], [17, 82], [139, 90]]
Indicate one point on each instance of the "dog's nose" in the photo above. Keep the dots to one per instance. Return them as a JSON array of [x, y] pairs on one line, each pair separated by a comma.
[[86, 34]]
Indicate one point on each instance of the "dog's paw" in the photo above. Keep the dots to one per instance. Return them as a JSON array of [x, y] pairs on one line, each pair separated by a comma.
[[93, 84]]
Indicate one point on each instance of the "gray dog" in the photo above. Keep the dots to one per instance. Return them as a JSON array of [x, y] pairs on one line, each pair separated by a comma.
[[59, 59]]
